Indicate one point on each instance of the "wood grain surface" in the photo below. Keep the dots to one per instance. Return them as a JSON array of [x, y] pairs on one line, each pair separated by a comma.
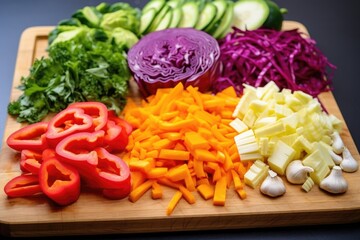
[[93, 214]]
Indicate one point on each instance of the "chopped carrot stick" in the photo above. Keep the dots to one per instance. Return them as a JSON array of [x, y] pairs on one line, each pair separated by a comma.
[[236, 179], [156, 191], [173, 202], [189, 197], [174, 154], [157, 172], [242, 193], [140, 190], [220, 192], [206, 190], [182, 139]]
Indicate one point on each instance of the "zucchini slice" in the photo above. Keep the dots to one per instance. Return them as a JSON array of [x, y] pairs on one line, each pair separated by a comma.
[[226, 22], [154, 4], [250, 14], [190, 14], [176, 17], [207, 15], [146, 19], [221, 10]]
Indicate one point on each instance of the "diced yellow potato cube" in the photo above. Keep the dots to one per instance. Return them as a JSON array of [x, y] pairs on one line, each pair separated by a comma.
[[238, 125], [281, 157], [270, 130], [256, 174], [249, 117]]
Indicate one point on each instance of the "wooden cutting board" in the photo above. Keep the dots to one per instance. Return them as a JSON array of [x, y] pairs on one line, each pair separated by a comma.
[[93, 214]]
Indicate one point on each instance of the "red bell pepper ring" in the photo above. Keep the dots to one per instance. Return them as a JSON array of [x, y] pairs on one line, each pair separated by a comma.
[[68, 122], [30, 161], [116, 137], [97, 110], [59, 181], [112, 171], [31, 137], [117, 194], [23, 186], [120, 122], [78, 151]]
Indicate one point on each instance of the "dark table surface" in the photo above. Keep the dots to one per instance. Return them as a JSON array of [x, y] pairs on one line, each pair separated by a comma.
[[332, 23]]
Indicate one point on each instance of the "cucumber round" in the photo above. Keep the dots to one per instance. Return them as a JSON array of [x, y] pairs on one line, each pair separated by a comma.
[[154, 4], [190, 14], [165, 21], [207, 15], [146, 19], [250, 14], [221, 10], [176, 17], [226, 22]]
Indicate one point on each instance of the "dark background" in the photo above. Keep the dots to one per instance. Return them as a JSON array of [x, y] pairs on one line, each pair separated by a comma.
[[333, 24]]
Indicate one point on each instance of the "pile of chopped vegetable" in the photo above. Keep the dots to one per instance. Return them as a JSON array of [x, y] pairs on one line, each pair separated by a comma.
[[164, 58], [87, 62], [182, 139], [262, 55]]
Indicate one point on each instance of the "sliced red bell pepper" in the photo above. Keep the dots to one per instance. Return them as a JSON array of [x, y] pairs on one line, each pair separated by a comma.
[[30, 137], [116, 137], [23, 186], [68, 122], [48, 153], [112, 171], [97, 110], [120, 121], [30, 161], [116, 194], [78, 151], [59, 181]]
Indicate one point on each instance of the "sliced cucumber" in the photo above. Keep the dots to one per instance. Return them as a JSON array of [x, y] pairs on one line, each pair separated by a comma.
[[221, 9], [207, 15], [250, 14], [190, 14], [165, 22], [176, 17], [154, 4], [175, 3], [226, 22], [146, 19], [158, 18]]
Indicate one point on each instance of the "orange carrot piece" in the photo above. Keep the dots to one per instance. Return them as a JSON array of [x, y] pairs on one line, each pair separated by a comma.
[[173, 202], [204, 180], [236, 180], [220, 192], [156, 191], [189, 197], [140, 165], [242, 193], [177, 173], [163, 143], [174, 154], [140, 190], [193, 141], [189, 182], [199, 168], [166, 182], [153, 153], [206, 190], [137, 178], [205, 155], [156, 172]]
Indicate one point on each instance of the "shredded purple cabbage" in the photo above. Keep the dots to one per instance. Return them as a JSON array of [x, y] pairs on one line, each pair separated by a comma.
[[288, 58], [164, 58]]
